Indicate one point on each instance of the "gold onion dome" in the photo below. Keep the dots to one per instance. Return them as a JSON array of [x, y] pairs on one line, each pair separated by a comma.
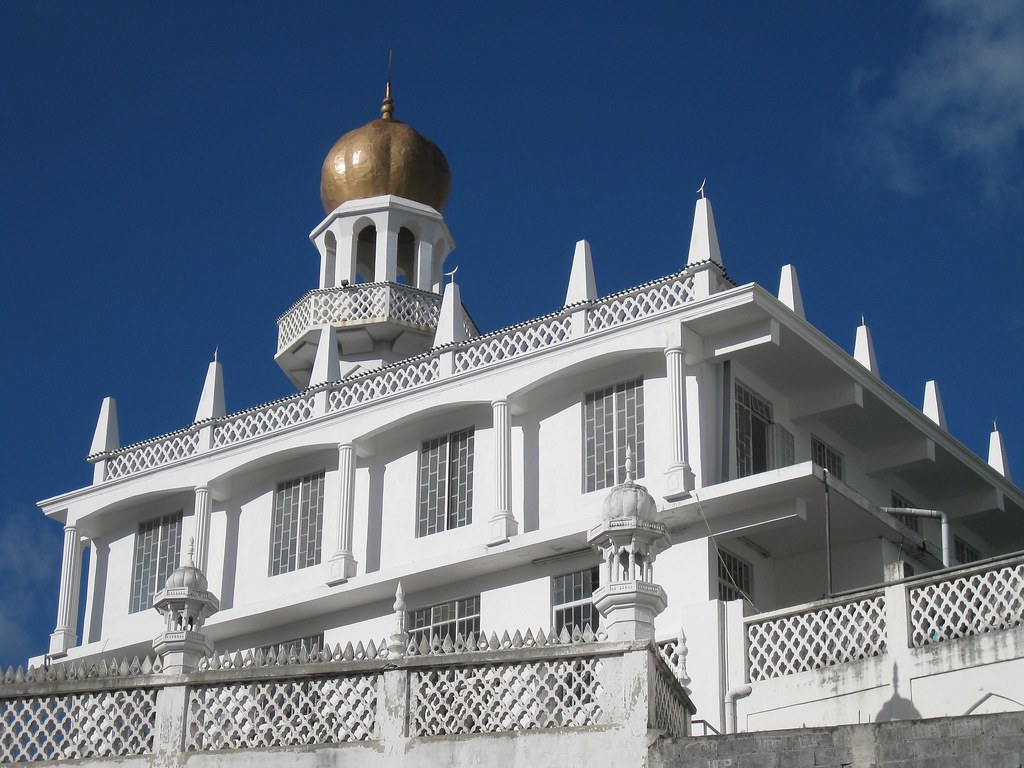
[[385, 157]]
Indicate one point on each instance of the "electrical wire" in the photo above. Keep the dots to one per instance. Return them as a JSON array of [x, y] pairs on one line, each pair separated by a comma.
[[724, 566]]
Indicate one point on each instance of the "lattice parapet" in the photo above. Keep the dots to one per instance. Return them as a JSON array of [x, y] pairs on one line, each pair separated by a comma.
[[671, 712], [980, 602], [77, 725], [670, 652], [514, 342], [283, 712], [641, 302], [515, 696], [287, 654], [154, 453], [473, 642], [816, 638], [389, 381], [262, 421]]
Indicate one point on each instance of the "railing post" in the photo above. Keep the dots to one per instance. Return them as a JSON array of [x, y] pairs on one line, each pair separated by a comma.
[[897, 621], [393, 713], [169, 729]]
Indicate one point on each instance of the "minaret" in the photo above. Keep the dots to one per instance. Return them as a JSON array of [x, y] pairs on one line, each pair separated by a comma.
[[382, 251]]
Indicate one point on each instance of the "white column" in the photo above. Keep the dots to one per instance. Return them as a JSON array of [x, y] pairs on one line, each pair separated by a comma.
[[386, 259], [503, 522], [342, 563], [680, 479], [424, 265], [64, 636], [201, 532]]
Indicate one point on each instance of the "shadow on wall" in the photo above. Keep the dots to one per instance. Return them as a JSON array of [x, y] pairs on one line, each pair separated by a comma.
[[897, 707]]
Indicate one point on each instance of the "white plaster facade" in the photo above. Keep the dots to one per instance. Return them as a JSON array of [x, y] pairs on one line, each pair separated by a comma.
[[393, 385]]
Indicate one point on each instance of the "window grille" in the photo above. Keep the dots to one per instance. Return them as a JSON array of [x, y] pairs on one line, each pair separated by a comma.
[[910, 521], [450, 619], [735, 577], [572, 600], [761, 444], [824, 455], [964, 552], [445, 483], [298, 524], [157, 547], [613, 419]]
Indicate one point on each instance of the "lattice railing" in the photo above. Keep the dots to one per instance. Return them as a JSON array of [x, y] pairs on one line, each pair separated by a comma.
[[513, 343], [261, 421], [154, 453], [673, 652], [77, 725], [816, 638], [389, 381], [973, 604], [516, 696], [280, 713], [641, 302], [670, 712]]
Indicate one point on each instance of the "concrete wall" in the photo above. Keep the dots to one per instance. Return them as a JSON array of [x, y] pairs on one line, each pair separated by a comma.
[[980, 741]]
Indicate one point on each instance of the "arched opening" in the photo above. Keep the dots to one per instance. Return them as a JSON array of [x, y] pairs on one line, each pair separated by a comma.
[[406, 257], [330, 258], [366, 254]]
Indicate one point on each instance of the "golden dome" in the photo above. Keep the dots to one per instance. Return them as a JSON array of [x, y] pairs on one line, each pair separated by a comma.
[[385, 157]]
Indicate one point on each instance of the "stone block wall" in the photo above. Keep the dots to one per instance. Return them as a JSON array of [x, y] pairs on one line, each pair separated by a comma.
[[979, 741]]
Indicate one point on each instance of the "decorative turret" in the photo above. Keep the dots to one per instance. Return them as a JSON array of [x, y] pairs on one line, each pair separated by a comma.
[[382, 251], [629, 539], [186, 603]]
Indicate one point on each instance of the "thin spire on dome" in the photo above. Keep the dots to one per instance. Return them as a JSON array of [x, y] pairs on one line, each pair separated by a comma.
[[629, 463], [387, 107]]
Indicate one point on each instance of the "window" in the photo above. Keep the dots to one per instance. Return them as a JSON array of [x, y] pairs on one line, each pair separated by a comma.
[[446, 483], [452, 619], [964, 552], [735, 577], [298, 523], [613, 419], [824, 455], [572, 600], [157, 545], [910, 521], [761, 444]]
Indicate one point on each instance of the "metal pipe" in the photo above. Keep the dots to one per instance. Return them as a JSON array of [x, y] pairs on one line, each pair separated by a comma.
[[730, 706], [934, 514], [828, 538]]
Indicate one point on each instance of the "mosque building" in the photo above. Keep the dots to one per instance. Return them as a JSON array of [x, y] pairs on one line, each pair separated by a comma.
[[824, 548]]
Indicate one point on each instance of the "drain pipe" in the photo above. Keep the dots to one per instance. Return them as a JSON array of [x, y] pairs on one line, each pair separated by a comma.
[[934, 514], [730, 706]]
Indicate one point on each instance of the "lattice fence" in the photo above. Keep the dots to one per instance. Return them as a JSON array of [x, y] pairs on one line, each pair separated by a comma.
[[491, 698], [77, 725], [640, 303], [670, 713], [673, 652], [270, 418], [390, 381], [278, 713], [817, 638], [152, 454], [512, 343], [970, 605]]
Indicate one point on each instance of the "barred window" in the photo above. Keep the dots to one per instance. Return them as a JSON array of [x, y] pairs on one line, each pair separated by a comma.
[[964, 552], [824, 455], [613, 419], [298, 524], [735, 577], [572, 600], [910, 521], [445, 483], [157, 547], [451, 619], [761, 444]]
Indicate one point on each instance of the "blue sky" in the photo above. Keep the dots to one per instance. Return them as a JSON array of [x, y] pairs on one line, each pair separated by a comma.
[[161, 167]]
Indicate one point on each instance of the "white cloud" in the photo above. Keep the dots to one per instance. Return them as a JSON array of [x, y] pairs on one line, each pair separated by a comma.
[[956, 104]]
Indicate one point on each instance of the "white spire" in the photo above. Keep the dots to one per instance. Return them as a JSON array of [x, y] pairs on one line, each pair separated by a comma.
[[997, 452], [933, 404], [704, 238], [326, 365], [864, 348], [789, 290], [211, 402], [582, 286], [451, 325], [106, 437]]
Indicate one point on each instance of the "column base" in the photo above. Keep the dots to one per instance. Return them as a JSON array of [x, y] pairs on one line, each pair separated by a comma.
[[341, 568], [679, 481], [61, 640], [503, 528]]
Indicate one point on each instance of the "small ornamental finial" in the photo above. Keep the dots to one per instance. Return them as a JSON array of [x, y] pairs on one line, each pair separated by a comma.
[[701, 190], [862, 320], [387, 107], [629, 464], [995, 426], [451, 274], [191, 552], [399, 605], [215, 350]]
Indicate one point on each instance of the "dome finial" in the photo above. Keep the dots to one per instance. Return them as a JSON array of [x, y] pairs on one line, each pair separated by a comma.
[[387, 108], [629, 463]]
